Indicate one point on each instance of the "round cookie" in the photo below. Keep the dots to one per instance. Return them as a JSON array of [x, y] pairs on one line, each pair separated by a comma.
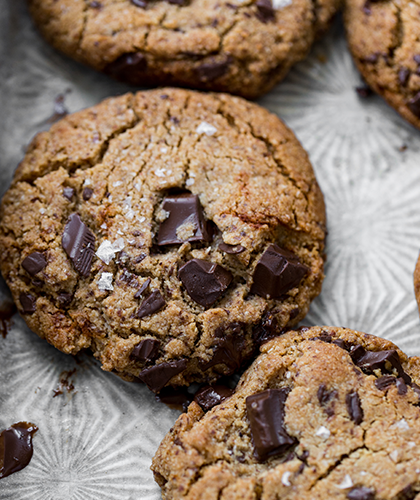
[[168, 231], [383, 38], [242, 47], [322, 413]]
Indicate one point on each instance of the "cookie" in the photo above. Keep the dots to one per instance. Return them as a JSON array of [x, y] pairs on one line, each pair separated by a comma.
[[383, 38], [240, 47], [168, 231], [322, 413]]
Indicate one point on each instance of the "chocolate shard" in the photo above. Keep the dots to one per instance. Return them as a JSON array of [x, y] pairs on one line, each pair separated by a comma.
[[78, 242], [175, 398], [382, 360], [231, 249], [204, 281], [414, 105], [185, 221], [28, 303], [158, 376], [212, 395], [34, 263], [68, 193], [401, 386], [403, 76], [385, 382], [265, 412], [151, 304], [277, 272], [265, 11], [129, 67], [268, 329], [229, 346], [361, 493], [64, 298], [213, 69], [354, 407], [16, 444], [146, 350], [142, 289], [87, 193]]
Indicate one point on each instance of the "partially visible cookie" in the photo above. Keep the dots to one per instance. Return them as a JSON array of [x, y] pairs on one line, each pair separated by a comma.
[[322, 413], [168, 231], [242, 46], [383, 38]]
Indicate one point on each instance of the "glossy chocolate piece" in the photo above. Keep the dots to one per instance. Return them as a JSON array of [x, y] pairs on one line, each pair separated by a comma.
[[146, 350], [78, 242], [158, 376], [204, 281], [16, 448], [401, 387], [265, 11], [277, 272], [265, 412], [324, 395], [228, 347], [183, 209], [87, 193], [213, 69], [28, 303], [382, 360], [212, 395], [179, 399], [151, 304], [142, 289], [354, 407], [7, 310], [231, 249], [34, 263], [361, 493], [385, 382]]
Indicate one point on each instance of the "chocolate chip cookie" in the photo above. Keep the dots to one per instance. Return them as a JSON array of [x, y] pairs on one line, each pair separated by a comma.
[[383, 38], [322, 413], [241, 46], [168, 231]]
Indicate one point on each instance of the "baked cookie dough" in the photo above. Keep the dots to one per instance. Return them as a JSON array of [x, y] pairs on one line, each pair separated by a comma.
[[383, 37], [322, 413], [169, 231], [242, 46]]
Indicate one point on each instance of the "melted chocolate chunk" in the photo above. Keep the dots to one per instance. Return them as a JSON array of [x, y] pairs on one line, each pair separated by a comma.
[[34, 263], [361, 493], [401, 387], [142, 289], [268, 329], [414, 105], [324, 396], [277, 272], [204, 281], [229, 346], [185, 211], [7, 310], [231, 249], [151, 304], [146, 350], [64, 298], [128, 67], [87, 194], [354, 407], [79, 243], [265, 11], [213, 69], [265, 413], [16, 448], [139, 3], [68, 193], [378, 360], [179, 399], [212, 395], [407, 493], [403, 76], [385, 382], [28, 303], [158, 376]]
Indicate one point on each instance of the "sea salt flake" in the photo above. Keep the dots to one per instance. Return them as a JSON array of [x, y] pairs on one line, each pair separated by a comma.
[[206, 128], [394, 455], [189, 182], [281, 4], [42, 211], [285, 478], [107, 250], [345, 483], [105, 282], [160, 172], [87, 182], [116, 184], [163, 150], [411, 444], [104, 226], [142, 219], [323, 432], [402, 424], [137, 186]]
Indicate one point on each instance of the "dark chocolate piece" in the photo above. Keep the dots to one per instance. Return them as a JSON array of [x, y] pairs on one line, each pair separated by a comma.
[[142, 289], [183, 209], [277, 272], [179, 399], [156, 377], [178, 2], [265, 11], [265, 412], [407, 493], [324, 396], [16, 448], [95, 5], [361, 493], [34, 263], [204, 281], [64, 298], [7, 310], [268, 329], [229, 346], [79, 243], [87, 193], [139, 3], [68, 193], [129, 67], [212, 395], [213, 69], [385, 382], [414, 105], [403, 76], [151, 304], [146, 350], [416, 58], [401, 386], [231, 249], [28, 303], [354, 407], [382, 360]]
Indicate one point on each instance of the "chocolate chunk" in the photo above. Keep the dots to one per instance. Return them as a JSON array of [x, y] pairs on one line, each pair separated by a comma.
[[268, 329], [151, 304], [146, 350], [179, 399], [414, 105], [373, 58], [7, 310], [139, 3], [401, 387], [354, 407], [277, 272], [361, 493], [64, 298], [87, 194], [229, 346], [364, 91], [382, 360], [142, 289], [34, 263], [340, 343], [158, 376], [213, 69], [231, 249], [68, 193], [178, 2], [357, 352], [79, 243], [265, 413], [185, 211], [416, 58], [129, 67], [324, 396], [385, 382], [16, 448], [204, 281], [212, 395], [407, 493], [28, 303], [403, 76], [265, 11]]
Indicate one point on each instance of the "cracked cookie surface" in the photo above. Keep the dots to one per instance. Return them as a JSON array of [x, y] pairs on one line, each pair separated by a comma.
[[384, 39], [240, 47], [137, 227], [322, 413]]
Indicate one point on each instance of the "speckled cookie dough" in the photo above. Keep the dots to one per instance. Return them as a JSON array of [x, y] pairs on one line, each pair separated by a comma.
[[242, 46], [383, 37], [168, 231], [322, 413]]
